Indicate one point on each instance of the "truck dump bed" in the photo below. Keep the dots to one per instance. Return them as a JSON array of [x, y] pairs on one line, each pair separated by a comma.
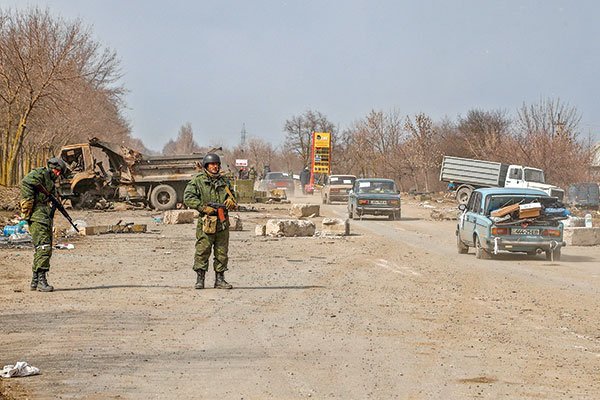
[[473, 172], [166, 168]]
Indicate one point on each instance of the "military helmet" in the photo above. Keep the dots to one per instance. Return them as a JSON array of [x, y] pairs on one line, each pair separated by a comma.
[[59, 164], [210, 158]]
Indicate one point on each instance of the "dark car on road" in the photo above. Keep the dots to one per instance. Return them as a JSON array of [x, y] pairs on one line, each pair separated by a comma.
[[374, 196], [277, 180]]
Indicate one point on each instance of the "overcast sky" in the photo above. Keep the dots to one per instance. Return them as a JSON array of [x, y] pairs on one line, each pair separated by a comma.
[[219, 64]]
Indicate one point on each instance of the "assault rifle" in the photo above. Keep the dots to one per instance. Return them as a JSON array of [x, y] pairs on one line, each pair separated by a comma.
[[221, 210], [57, 205]]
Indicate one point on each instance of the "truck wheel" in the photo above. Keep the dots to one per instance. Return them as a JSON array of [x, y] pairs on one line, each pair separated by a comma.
[[463, 194], [553, 255], [163, 197], [460, 246], [480, 252]]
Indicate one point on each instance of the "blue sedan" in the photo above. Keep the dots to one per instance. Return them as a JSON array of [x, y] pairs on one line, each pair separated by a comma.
[[374, 196]]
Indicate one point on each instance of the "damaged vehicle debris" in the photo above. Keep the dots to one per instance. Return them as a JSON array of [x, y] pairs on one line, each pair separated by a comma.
[[101, 170], [513, 220]]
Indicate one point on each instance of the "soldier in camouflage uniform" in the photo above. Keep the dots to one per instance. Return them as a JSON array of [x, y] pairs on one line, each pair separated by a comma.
[[39, 215], [210, 186]]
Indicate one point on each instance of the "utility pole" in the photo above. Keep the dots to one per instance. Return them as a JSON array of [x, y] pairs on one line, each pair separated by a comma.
[[243, 137]]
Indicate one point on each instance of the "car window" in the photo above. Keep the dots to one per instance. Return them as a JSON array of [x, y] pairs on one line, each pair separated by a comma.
[[477, 203], [374, 187], [341, 180], [471, 201], [277, 175], [516, 173], [496, 202]]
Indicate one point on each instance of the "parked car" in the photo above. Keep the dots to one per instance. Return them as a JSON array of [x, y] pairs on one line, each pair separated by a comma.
[[511, 219], [277, 180], [336, 188], [374, 196]]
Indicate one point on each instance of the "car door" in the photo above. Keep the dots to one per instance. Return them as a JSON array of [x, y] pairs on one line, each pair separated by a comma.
[[468, 219]]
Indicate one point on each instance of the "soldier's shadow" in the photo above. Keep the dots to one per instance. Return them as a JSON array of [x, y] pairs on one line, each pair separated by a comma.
[[105, 287]]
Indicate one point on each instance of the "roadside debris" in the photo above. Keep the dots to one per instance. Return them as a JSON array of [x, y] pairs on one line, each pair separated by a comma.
[[173, 217], [305, 210], [64, 246], [119, 227], [21, 368], [235, 223], [335, 227], [445, 214], [290, 227]]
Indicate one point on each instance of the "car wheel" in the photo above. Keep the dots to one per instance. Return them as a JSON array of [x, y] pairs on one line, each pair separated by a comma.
[[460, 246], [480, 252], [392, 216], [553, 255]]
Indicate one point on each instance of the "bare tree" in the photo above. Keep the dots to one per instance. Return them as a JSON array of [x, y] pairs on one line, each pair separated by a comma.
[[299, 131], [184, 144], [43, 60], [484, 133]]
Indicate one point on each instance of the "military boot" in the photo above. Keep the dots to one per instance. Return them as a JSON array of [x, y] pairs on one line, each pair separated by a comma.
[[220, 282], [200, 279], [34, 281], [43, 283]]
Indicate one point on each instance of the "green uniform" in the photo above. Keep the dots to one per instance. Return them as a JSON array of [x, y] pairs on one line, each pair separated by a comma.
[[200, 191], [39, 214]]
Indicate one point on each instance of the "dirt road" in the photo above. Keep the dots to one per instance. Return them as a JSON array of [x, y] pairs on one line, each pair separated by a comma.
[[391, 311]]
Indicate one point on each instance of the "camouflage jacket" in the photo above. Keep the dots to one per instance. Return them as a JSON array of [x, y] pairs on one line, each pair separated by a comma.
[[35, 205], [203, 189]]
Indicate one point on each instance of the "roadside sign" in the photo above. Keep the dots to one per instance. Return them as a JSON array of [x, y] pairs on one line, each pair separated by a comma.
[[241, 163], [321, 152]]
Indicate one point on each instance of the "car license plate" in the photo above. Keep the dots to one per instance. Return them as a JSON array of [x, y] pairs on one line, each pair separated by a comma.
[[522, 231], [378, 202]]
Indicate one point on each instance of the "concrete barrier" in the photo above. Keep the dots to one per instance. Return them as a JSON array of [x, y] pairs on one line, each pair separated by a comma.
[[582, 236]]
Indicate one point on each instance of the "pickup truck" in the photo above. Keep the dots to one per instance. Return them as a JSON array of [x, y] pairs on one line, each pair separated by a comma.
[[115, 172], [469, 174], [511, 219]]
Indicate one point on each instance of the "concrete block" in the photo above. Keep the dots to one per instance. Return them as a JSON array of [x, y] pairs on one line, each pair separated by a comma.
[[260, 230], [235, 223], [305, 210], [290, 227], [172, 217], [582, 236], [335, 227]]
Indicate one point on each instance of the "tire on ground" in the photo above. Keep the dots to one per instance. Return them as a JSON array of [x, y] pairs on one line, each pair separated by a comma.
[[163, 197]]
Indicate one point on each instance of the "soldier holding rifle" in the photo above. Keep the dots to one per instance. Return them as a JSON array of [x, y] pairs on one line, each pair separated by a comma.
[[37, 190], [210, 193]]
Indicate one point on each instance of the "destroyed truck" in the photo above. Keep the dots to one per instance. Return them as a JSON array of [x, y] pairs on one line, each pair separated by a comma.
[[468, 174], [513, 220], [115, 172]]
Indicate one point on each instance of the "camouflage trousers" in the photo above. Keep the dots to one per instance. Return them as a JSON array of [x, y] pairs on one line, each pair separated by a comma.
[[41, 234], [205, 243]]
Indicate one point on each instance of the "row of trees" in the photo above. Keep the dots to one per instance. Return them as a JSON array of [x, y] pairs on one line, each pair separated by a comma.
[[410, 149], [57, 86]]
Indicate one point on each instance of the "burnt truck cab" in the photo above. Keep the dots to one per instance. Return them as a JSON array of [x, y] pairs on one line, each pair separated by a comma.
[[513, 220], [115, 172]]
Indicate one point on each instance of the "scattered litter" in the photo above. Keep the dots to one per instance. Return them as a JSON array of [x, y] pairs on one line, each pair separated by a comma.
[[64, 246], [157, 219], [21, 368], [119, 227], [20, 227]]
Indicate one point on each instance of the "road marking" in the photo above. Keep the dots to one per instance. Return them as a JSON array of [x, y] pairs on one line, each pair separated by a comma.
[[395, 267]]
